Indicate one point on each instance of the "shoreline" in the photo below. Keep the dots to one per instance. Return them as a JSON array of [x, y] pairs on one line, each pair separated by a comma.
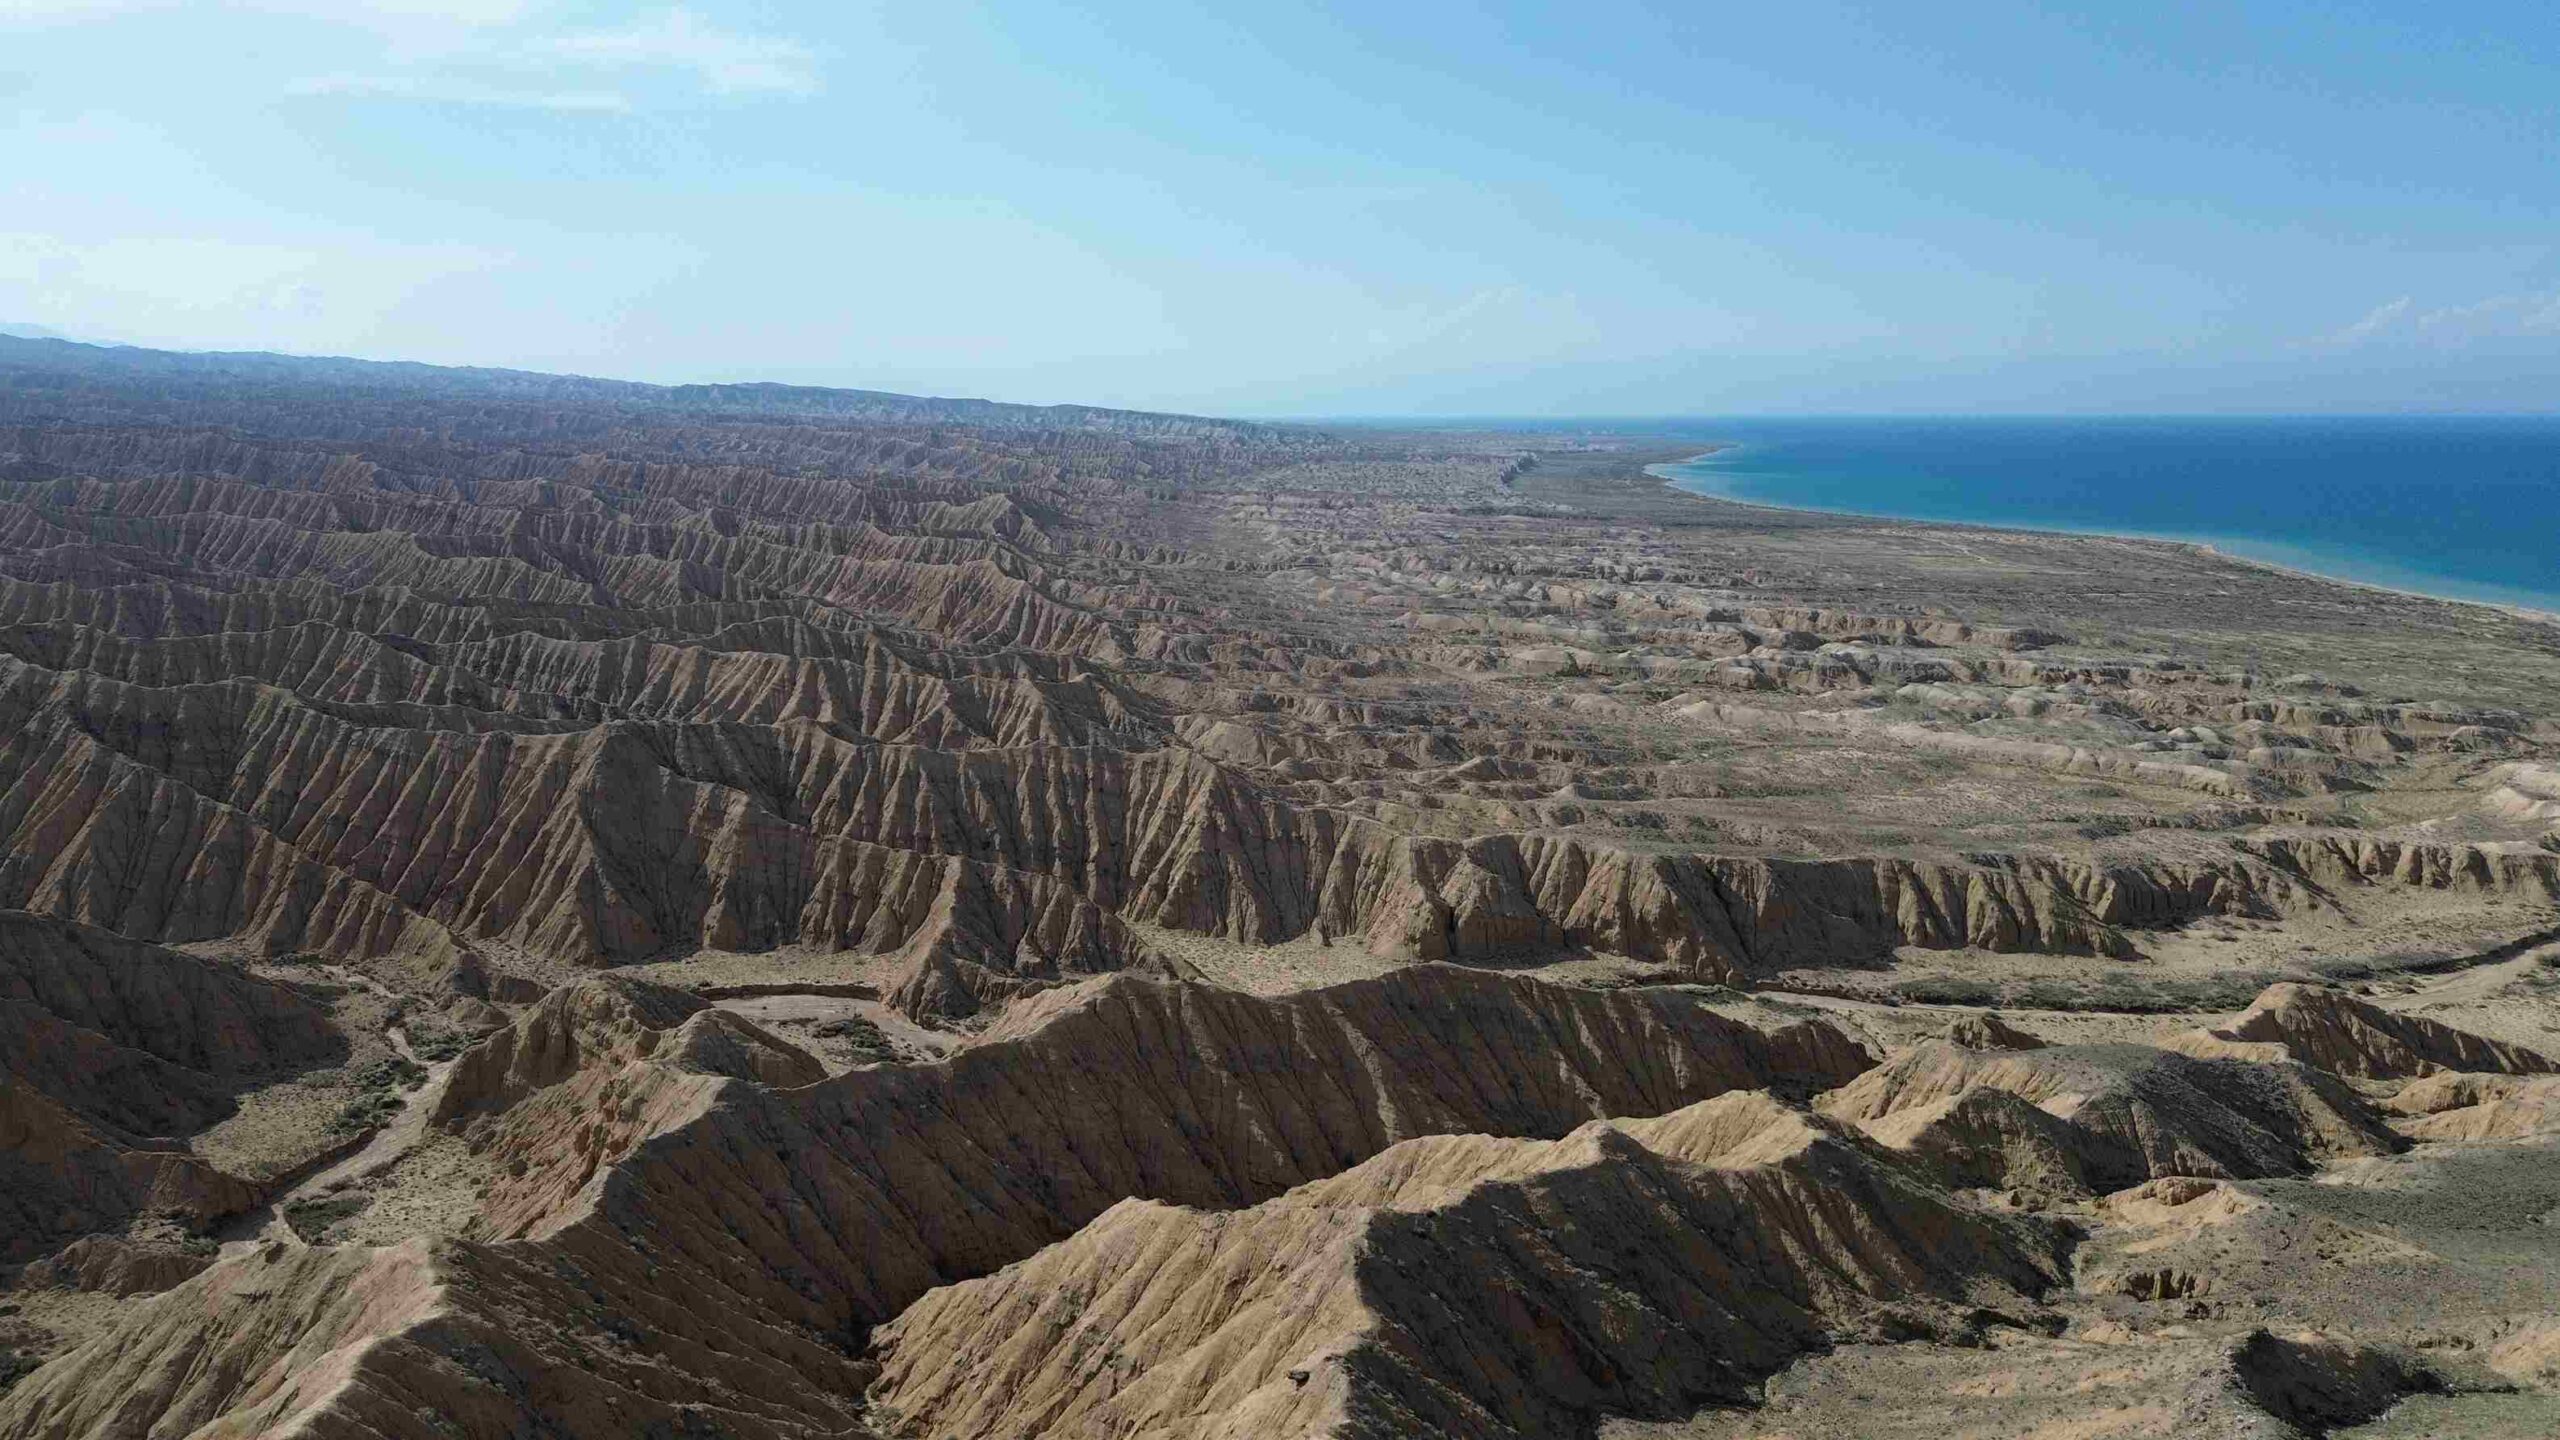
[[2513, 608]]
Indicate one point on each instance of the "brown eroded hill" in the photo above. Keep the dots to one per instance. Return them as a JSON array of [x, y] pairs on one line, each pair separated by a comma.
[[676, 1204], [2345, 1036], [1464, 1286], [536, 905], [401, 667], [112, 1053], [2132, 1112]]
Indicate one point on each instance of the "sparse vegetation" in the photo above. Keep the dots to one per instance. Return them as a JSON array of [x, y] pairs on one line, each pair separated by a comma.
[[15, 1367], [859, 1037], [311, 1217], [379, 1085], [808, 699], [434, 1039]]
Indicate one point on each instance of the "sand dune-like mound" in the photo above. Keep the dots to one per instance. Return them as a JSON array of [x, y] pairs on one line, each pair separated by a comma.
[[2132, 1113], [2188, 1239], [207, 1017], [1986, 1137], [2524, 792], [1456, 1286], [61, 1177], [605, 1023], [2334, 1031], [428, 1340]]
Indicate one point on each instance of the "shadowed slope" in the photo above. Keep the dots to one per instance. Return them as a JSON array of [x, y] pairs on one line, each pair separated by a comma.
[[663, 1235], [875, 1186], [2132, 1112], [2336, 1032], [1459, 1286], [112, 1052]]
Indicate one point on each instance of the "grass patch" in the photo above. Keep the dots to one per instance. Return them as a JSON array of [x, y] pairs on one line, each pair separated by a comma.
[[2117, 994], [379, 1084], [15, 1367], [860, 1036], [311, 1218], [1946, 990], [371, 1110], [433, 1039]]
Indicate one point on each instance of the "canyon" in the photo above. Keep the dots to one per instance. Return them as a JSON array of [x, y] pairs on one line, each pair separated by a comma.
[[544, 906]]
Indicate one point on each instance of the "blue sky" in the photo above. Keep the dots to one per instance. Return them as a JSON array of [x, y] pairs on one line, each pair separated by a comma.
[[1415, 208]]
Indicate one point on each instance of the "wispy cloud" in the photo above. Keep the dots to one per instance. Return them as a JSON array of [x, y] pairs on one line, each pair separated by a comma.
[[512, 53], [2376, 320], [43, 10], [451, 90], [398, 15], [2529, 314], [149, 286], [726, 62], [2500, 317], [1492, 318], [598, 70]]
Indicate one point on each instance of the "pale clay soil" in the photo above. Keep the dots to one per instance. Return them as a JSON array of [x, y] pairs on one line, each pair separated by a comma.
[[589, 911]]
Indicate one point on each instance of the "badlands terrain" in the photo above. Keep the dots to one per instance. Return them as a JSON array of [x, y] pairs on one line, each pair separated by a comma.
[[544, 907]]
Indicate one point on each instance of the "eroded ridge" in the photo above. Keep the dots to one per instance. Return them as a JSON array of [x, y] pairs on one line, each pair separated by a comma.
[[111, 1053], [678, 1188], [1466, 1286], [536, 905], [1980, 1220], [433, 670]]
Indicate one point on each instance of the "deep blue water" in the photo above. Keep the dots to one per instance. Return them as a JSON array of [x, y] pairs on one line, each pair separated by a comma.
[[2459, 506]]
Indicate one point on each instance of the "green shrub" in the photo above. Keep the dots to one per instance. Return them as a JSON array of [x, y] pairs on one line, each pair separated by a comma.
[[1947, 990]]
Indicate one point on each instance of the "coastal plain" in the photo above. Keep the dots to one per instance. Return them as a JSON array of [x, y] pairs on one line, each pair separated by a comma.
[[541, 906]]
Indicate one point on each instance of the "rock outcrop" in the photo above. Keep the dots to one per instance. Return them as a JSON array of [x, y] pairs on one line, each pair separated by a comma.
[[1729, 918], [1985, 1137], [888, 1181], [602, 1025], [1987, 1031], [2287, 1387], [424, 1340]]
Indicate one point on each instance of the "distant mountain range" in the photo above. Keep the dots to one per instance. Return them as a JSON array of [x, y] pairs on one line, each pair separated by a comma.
[[31, 353]]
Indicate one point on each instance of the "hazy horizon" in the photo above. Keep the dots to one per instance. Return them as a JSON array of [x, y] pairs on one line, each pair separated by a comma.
[[1386, 419], [1431, 210]]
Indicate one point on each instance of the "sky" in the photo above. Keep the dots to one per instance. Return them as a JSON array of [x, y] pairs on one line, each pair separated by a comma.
[[1414, 208]]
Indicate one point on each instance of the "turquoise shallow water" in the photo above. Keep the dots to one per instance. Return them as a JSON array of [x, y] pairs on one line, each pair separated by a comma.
[[2467, 507]]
